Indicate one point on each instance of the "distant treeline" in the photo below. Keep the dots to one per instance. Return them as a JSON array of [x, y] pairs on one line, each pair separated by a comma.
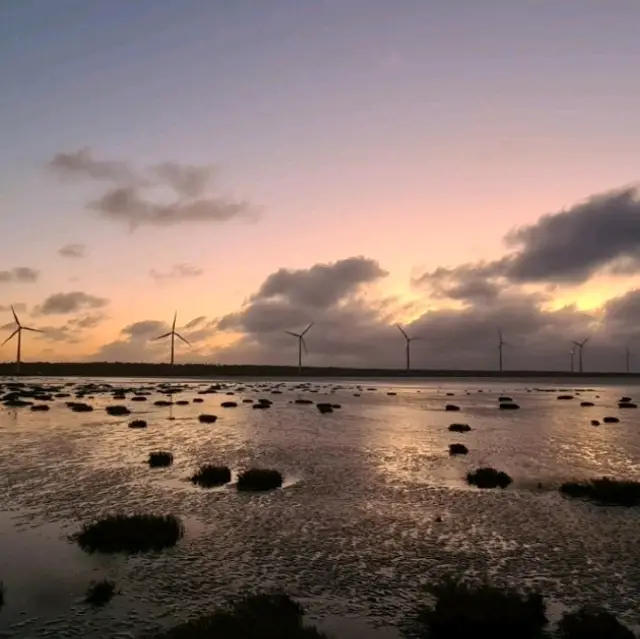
[[128, 369]]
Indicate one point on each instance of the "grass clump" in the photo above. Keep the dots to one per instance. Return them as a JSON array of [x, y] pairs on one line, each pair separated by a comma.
[[207, 419], [324, 407], [80, 407], [451, 408], [605, 491], [118, 410], [258, 479], [508, 406], [610, 420], [100, 593], [229, 404], [462, 611], [627, 405], [459, 428], [458, 449], [209, 476], [160, 459], [138, 423], [592, 623], [265, 616], [488, 478], [130, 533]]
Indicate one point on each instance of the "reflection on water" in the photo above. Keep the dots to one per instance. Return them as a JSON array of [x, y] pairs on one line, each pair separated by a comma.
[[372, 507]]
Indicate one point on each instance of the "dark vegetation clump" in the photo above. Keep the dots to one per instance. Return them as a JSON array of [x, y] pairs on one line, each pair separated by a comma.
[[458, 449], [100, 593], [625, 399], [509, 406], [130, 533], [138, 398], [163, 402], [595, 422], [182, 402], [266, 616], [229, 404], [207, 419], [610, 420], [592, 623], [464, 611], [80, 407], [488, 478], [261, 405], [40, 408], [451, 407], [627, 405], [17, 403], [565, 396], [459, 428], [160, 459], [605, 491], [118, 410], [138, 423], [587, 404], [392, 394], [504, 398], [324, 407], [303, 401], [209, 476], [258, 479], [198, 400]]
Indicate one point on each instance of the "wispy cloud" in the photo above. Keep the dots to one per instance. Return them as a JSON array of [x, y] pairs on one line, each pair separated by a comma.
[[128, 201], [21, 274], [74, 251], [65, 303], [177, 272]]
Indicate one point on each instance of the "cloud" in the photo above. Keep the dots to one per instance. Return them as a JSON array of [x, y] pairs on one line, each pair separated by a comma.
[[64, 303], [75, 251], [19, 307], [127, 200], [81, 163], [89, 321], [601, 234], [19, 274], [177, 272]]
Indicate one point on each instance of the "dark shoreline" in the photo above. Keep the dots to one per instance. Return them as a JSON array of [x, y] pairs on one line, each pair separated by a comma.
[[124, 369]]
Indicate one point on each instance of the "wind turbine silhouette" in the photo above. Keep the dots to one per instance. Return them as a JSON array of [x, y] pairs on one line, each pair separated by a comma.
[[501, 343], [580, 346], [301, 344], [408, 344], [18, 332], [627, 353], [173, 335]]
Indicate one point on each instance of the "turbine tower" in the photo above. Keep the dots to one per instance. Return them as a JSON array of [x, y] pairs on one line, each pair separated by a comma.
[[501, 343], [173, 334], [627, 353], [580, 346], [18, 332], [572, 352], [408, 345], [301, 344]]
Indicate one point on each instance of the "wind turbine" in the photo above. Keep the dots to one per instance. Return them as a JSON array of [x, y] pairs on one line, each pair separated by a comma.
[[580, 346], [627, 353], [173, 334], [18, 332], [501, 343], [572, 352], [408, 345], [301, 344]]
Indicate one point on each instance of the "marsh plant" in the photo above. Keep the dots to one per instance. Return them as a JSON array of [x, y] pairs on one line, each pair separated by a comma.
[[209, 476], [100, 593], [259, 479], [605, 491], [130, 533], [488, 478], [592, 623], [463, 610], [160, 459], [458, 449], [266, 616]]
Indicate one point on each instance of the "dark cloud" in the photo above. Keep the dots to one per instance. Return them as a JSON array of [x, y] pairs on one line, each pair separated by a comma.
[[21, 274], [64, 303], [74, 251], [81, 163], [566, 247], [128, 201], [177, 272], [89, 321], [145, 329]]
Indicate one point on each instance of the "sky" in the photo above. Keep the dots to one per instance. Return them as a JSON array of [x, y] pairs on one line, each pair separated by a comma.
[[455, 167]]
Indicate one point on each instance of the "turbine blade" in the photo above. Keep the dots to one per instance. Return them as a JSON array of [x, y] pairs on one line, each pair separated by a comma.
[[402, 331], [576, 343], [304, 345], [306, 329], [294, 334], [15, 317], [163, 336], [175, 317], [585, 340], [10, 336], [182, 338], [33, 330], [500, 335]]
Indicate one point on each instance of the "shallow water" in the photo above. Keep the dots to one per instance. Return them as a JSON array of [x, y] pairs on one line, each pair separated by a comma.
[[373, 507]]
